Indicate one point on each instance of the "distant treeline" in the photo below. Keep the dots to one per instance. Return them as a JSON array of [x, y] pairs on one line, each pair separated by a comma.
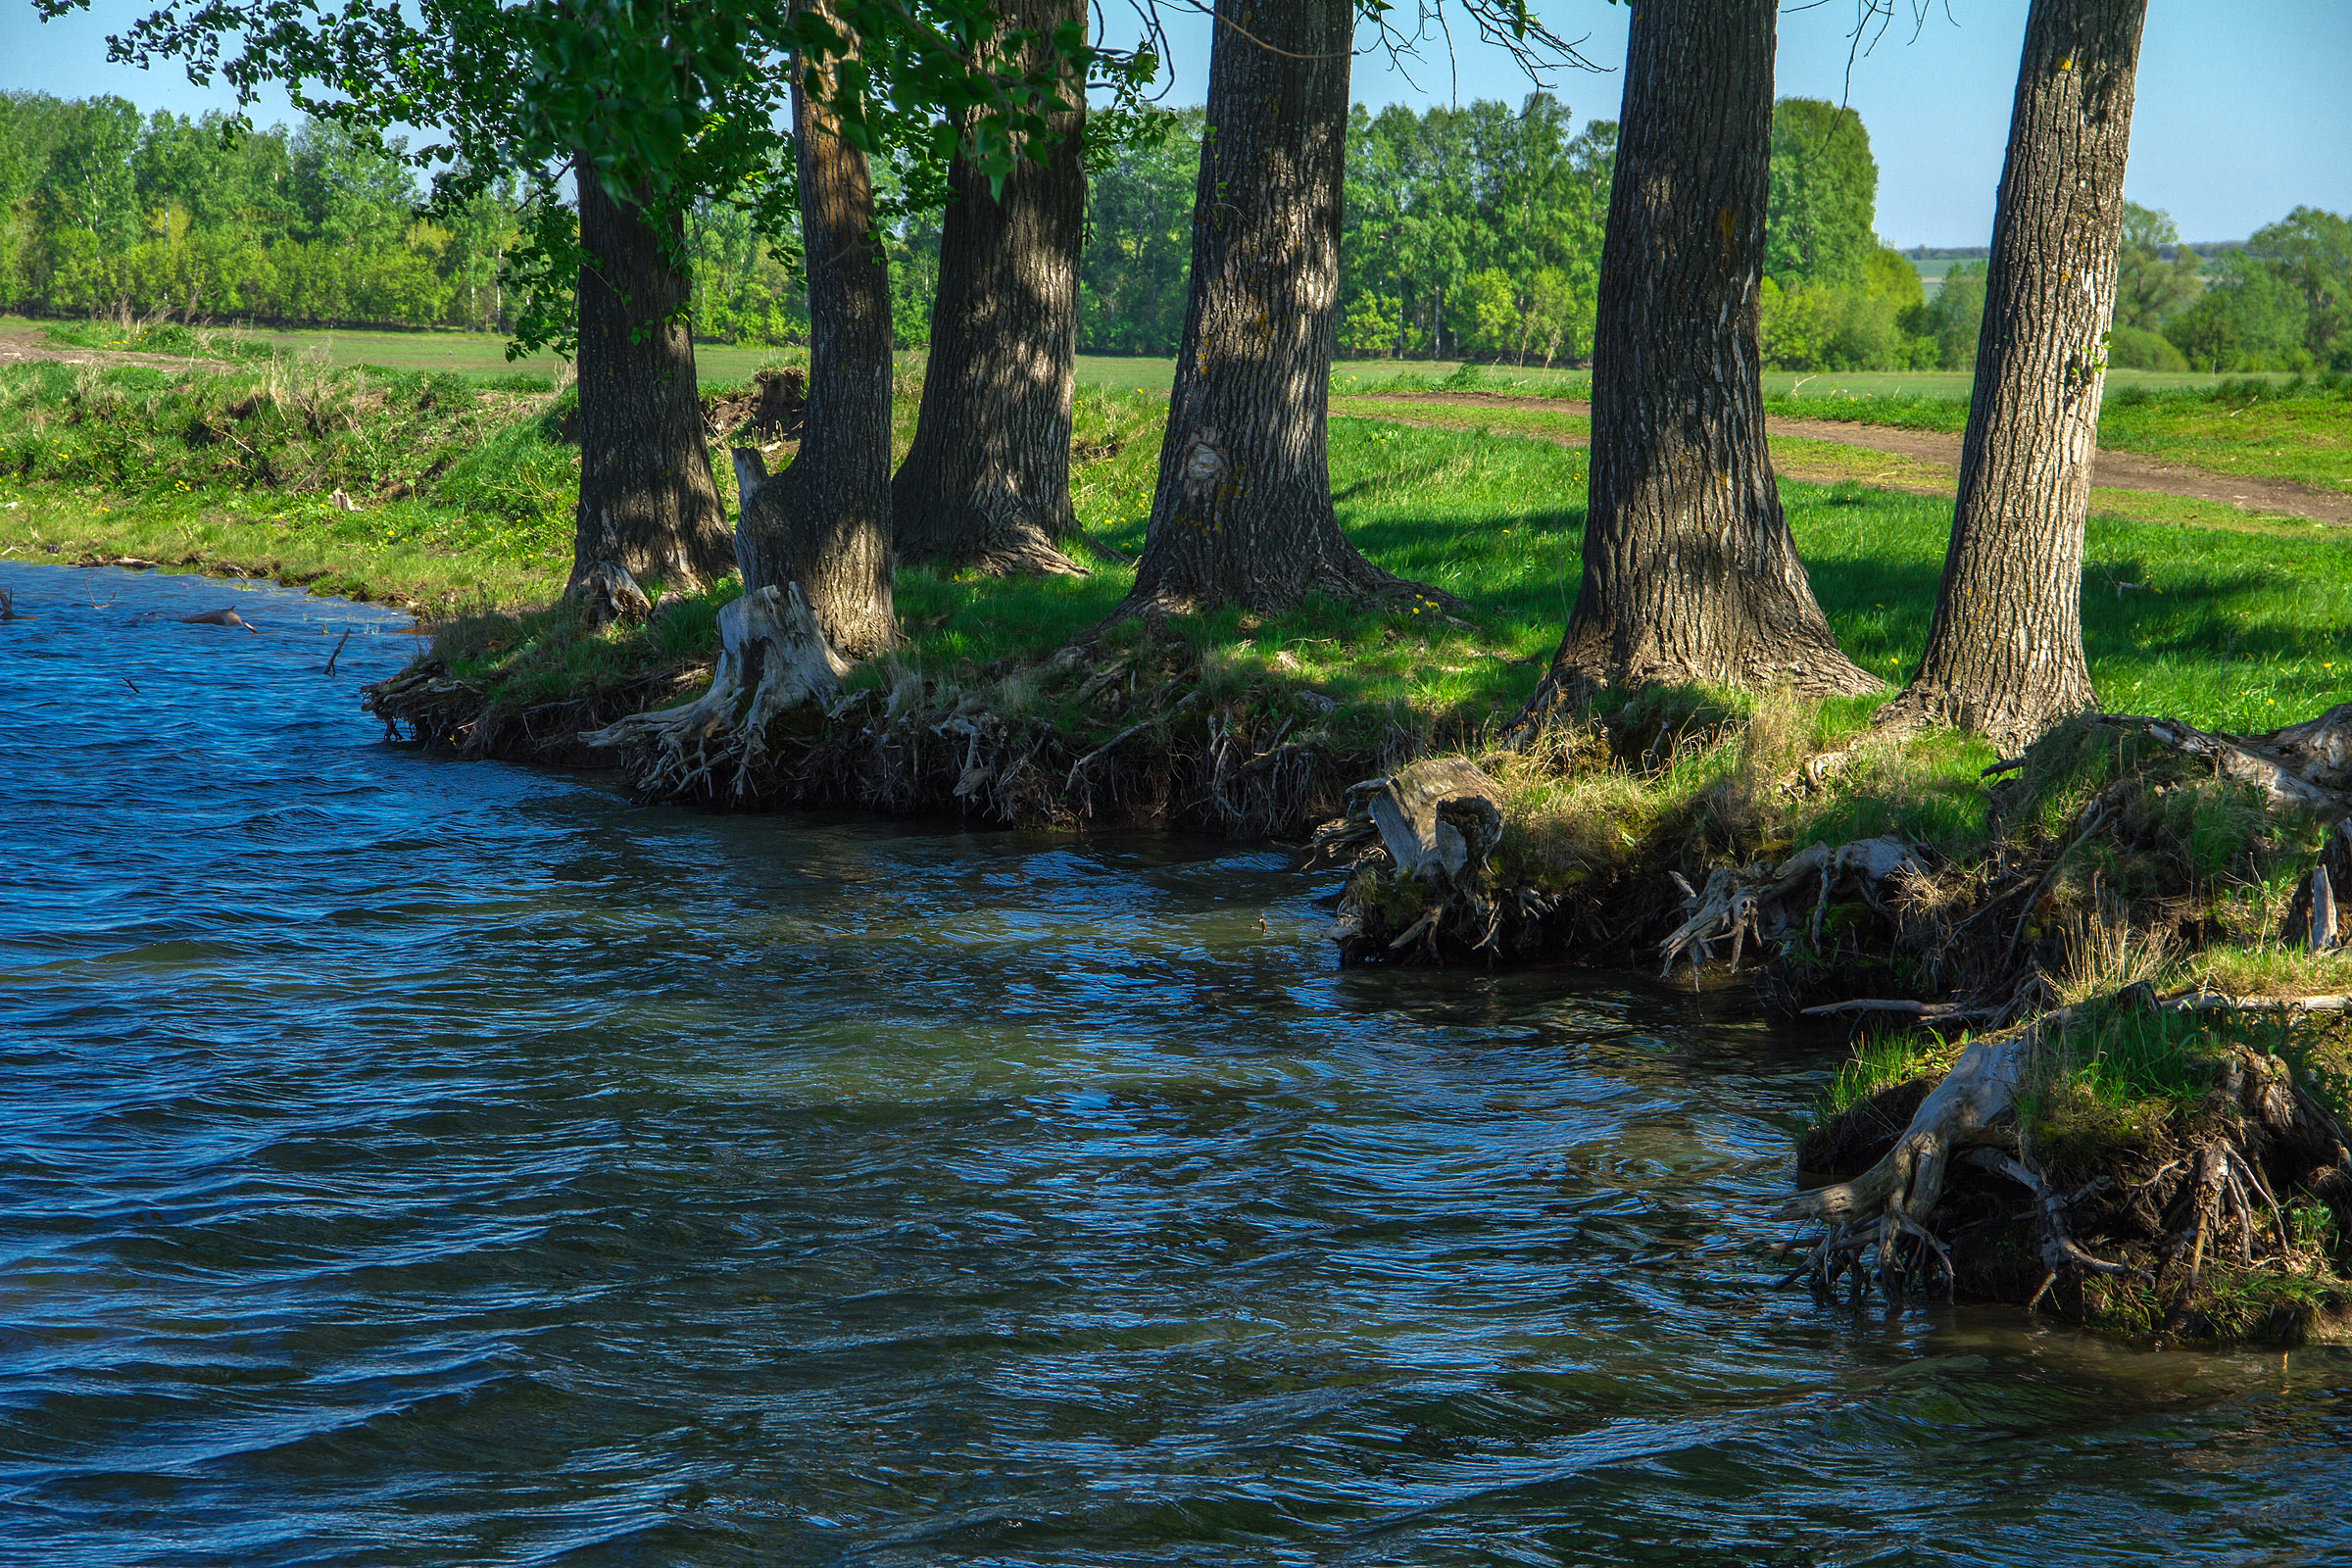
[[1469, 232], [105, 212]]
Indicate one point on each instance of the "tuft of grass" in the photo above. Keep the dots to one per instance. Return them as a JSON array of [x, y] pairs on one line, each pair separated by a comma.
[[2105, 953], [1881, 1062]]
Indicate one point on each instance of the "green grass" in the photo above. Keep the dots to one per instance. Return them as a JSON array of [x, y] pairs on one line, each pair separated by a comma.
[[1881, 1062], [2230, 623], [2298, 430]]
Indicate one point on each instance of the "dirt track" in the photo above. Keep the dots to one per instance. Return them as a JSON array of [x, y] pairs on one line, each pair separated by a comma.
[[18, 344], [2119, 471]]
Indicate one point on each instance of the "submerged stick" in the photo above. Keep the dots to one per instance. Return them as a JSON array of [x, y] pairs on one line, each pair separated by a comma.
[[338, 652]]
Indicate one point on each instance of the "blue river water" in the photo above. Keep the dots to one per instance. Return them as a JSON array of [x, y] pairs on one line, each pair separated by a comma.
[[404, 1161]]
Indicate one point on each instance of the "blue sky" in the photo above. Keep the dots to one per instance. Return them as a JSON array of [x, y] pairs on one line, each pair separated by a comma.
[[2244, 110]]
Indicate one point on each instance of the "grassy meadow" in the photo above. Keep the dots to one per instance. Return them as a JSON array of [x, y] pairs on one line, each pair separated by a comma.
[[463, 498]]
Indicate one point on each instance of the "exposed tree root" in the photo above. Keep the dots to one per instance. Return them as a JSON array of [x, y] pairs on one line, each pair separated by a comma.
[[1737, 904], [2129, 1232], [996, 745], [1590, 662], [771, 658], [1015, 547], [1357, 583]]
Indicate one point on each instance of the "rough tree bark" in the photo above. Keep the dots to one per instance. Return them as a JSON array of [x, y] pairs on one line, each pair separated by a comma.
[[1690, 572], [647, 503], [986, 482], [1242, 512], [825, 522], [2004, 652]]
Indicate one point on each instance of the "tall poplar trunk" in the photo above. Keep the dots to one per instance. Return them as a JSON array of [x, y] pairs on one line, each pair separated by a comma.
[[825, 523], [2004, 654], [646, 502], [1690, 572], [1242, 512], [986, 481]]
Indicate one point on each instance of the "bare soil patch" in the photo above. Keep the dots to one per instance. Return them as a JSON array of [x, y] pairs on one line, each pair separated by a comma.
[[19, 345]]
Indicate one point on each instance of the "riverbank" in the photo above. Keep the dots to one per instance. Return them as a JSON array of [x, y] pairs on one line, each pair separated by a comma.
[[1641, 823]]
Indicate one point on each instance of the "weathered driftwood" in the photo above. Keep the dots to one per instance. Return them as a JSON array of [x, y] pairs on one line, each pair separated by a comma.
[[1437, 821], [2305, 767], [1439, 818], [1735, 904], [2319, 748], [771, 658], [1903, 1187]]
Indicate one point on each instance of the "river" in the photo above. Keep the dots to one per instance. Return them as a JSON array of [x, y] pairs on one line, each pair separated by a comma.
[[404, 1161]]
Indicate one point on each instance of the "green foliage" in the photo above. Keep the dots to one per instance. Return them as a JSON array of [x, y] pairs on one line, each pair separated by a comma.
[[2282, 303], [1134, 271], [1820, 223], [2150, 284], [1954, 317], [2131, 348], [665, 106], [1833, 298], [202, 219], [1875, 322], [1480, 227]]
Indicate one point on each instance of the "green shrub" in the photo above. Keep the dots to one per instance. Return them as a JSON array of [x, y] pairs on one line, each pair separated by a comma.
[[2131, 348]]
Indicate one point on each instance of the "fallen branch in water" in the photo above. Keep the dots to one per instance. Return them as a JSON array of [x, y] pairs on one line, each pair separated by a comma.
[[338, 652]]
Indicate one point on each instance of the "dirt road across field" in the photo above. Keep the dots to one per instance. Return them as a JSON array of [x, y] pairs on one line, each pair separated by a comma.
[[2114, 470], [19, 345]]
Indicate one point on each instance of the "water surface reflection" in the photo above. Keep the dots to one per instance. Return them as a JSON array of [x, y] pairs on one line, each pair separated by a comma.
[[411, 1162]]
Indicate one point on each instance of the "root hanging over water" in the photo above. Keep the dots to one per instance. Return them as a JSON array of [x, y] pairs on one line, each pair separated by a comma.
[[772, 659], [2209, 1206]]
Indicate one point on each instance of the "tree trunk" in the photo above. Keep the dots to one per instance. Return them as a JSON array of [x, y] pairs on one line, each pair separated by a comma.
[[1689, 573], [647, 503], [824, 522], [986, 482], [1243, 511], [2004, 652]]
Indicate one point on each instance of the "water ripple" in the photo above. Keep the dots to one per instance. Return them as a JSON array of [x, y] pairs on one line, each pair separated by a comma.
[[416, 1163]]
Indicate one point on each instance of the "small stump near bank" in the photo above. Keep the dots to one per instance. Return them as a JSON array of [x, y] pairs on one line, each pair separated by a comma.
[[1422, 836]]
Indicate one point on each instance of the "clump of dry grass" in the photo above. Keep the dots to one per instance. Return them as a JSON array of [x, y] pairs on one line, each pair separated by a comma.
[[2104, 953], [1748, 798]]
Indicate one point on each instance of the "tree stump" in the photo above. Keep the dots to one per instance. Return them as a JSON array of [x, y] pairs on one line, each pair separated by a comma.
[[1440, 819], [771, 658]]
